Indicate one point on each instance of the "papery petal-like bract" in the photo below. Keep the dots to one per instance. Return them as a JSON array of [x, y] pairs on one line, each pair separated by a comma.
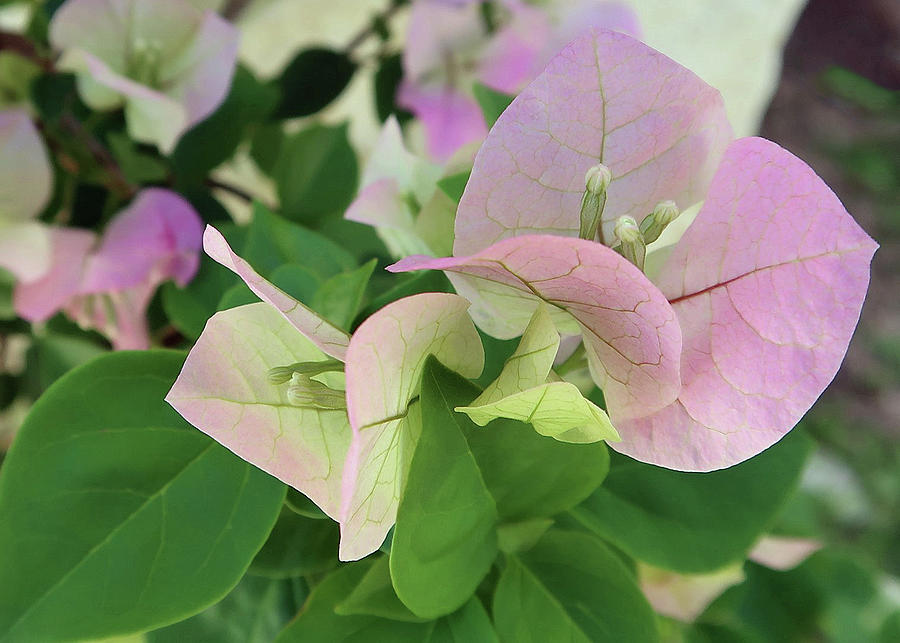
[[767, 283], [157, 237], [26, 178], [328, 338], [606, 98], [167, 61], [223, 390], [384, 365], [630, 332]]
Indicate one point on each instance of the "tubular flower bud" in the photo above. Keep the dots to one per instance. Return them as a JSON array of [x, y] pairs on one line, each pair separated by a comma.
[[596, 181], [654, 223], [282, 374], [309, 393], [631, 242]]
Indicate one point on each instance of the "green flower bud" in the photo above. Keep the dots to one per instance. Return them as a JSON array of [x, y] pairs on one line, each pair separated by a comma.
[[309, 393], [654, 223]]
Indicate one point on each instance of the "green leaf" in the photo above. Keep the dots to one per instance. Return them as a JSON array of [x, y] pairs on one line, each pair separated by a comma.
[[313, 79], [410, 284], [297, 546], [136, 165], [455, 184], [122, 517], [52, 355], [492, 102], [318, 621], [570, 587], [273, 241], [316, 173], [188, 308], [338, 299], [693, 522], [387, 80], [375, 596], [529, 475], [254, 612], [214, 140], [445, 539]]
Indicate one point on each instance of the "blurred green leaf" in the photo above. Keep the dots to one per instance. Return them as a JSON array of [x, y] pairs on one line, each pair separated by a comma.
[[316, 173], [297, 546], [273, 241], [338, 299], [154, 522], [254, 612], [455, 184], [52, 355], [214, 140], [492, 102], [313, 79], [137, 166], [387, 80], [694, 522]]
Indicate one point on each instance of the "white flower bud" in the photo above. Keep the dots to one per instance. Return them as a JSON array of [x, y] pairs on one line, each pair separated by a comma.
[[597, 179], [632, 245]]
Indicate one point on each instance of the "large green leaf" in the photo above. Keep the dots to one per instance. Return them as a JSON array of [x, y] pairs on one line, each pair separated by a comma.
[[571, 587], [316, 173], [529, 475], [693, 522], [254, 612], [445, 538], [338, 299], [122, 517]]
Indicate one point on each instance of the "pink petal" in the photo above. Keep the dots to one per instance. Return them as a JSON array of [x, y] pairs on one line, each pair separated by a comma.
[[605, 98], [121, 316], [205, 70], [40, 299], [379, 204], [630, 331], [451, 119], [156, 238], [223, 390], [512, 57], [438, 29], [26, 178], [330, 340], [767, 283], [384, 365]]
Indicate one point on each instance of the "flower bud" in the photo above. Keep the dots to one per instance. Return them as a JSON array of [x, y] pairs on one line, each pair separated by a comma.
[[281, 374], [309, 393], [596, 181], [631, 241], [654, 223]]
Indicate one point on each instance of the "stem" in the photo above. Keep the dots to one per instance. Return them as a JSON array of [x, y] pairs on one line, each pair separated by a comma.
[[371, 29], [232, 189], [104, 158], [25, 48]]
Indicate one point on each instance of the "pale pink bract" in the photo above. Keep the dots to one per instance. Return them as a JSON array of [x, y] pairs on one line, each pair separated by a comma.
[[766, 285]]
